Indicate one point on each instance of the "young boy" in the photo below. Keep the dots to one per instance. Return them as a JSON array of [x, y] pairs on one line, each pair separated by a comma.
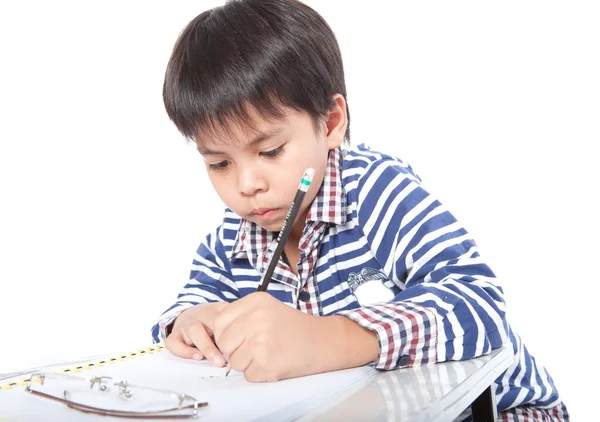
[[375, 271]]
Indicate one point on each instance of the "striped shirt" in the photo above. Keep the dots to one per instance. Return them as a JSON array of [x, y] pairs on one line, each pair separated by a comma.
[[382, 251]]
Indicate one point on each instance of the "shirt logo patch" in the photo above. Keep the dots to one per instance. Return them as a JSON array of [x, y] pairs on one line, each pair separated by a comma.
[[368, 286], [366, 274]]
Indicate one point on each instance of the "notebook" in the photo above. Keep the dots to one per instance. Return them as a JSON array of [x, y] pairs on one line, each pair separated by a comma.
[[229, 398]]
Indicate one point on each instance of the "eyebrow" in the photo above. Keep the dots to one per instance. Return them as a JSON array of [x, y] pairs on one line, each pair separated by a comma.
[[261, 137]]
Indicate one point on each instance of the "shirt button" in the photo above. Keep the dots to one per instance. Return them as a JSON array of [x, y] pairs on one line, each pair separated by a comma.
[[404, 360], [304, 296]]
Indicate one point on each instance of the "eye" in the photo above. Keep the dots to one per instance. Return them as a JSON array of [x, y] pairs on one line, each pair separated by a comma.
[[272, 153], [220, 166]]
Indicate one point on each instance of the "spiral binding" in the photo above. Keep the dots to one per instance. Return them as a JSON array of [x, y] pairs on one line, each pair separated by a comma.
[[21, 382]]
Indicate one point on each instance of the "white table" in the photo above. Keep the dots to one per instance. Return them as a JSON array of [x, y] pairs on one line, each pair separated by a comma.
[[436, 393]]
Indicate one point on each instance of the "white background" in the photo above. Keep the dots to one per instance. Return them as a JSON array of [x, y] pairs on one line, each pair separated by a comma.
[[102, 203]]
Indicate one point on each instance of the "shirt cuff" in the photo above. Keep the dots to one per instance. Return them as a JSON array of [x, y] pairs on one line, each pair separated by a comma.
[[407, 333], [167, 319]]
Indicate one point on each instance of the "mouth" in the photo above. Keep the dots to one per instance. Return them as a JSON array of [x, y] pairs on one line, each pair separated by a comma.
[[263, 214]]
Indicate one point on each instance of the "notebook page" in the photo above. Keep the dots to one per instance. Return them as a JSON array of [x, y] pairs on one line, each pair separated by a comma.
[[231, 398]]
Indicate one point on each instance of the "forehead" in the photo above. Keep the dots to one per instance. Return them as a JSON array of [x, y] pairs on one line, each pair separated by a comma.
[[241, 127]]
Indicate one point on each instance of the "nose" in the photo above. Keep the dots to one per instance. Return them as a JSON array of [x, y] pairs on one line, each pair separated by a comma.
[[251, 181]]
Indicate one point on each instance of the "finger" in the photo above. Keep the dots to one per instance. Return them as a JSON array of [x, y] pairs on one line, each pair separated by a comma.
[[176, 345], [261, 369], [186, 340], [236, 311], [257, 373], [241, 359], [232, 339], [197, 334]]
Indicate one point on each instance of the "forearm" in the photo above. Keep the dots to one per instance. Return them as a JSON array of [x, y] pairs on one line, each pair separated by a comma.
[[470, 314], [345, 344]]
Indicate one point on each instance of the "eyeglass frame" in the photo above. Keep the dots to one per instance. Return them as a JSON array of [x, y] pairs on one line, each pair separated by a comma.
[[103, 383]]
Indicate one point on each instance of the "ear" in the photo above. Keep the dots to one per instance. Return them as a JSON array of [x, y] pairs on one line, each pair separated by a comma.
[[336, 122]]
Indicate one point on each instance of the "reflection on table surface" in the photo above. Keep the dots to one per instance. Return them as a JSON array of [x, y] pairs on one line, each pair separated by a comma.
[[411, 394]]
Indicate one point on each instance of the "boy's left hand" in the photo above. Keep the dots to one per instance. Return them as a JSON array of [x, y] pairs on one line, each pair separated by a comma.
[[270, 341]]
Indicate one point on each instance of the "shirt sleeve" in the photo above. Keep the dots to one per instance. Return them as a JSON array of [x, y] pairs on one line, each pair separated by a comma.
[[210, 281], [450, 306]]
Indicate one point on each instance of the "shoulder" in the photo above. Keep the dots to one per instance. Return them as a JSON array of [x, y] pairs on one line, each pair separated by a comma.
[[365, 168], [225, 234], [231, 224]]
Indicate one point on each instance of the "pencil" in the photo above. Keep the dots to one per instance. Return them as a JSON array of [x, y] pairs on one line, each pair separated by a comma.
[[288, 223], [284, 233]]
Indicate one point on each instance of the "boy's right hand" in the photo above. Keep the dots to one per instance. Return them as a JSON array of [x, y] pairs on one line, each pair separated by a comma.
[[192, 334]]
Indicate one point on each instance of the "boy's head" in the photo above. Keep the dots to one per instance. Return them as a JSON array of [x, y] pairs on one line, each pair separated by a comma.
[[260, 53], [250, 69]]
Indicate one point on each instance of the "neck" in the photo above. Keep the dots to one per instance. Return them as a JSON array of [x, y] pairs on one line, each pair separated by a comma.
[[298, 228]]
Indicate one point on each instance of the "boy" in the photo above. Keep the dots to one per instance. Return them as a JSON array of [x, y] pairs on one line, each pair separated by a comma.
[[375, 270]]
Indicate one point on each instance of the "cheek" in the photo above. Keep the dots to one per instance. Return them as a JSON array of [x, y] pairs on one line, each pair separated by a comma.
[[316, 184], [283, 185], [314, 159], [303, 158]]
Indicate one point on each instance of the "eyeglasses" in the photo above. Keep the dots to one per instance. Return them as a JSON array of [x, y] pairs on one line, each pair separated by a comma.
[[109, 397]]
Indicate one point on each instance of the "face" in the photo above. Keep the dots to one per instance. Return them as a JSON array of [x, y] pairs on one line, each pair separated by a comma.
[[257, 174]]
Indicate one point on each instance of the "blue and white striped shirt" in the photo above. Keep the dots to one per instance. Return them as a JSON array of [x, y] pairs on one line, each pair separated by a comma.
[[381, 250]]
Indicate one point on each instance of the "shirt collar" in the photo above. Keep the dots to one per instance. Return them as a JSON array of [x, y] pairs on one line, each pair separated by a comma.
[[329, 206]]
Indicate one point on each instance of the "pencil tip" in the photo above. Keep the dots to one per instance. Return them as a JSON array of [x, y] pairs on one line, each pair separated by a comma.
[[227, 373]]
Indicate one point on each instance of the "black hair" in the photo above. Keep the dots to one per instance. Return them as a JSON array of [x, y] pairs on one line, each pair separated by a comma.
[[260, 53]]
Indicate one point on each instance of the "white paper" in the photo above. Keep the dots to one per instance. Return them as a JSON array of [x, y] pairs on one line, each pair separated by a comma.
[[230, 399]]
